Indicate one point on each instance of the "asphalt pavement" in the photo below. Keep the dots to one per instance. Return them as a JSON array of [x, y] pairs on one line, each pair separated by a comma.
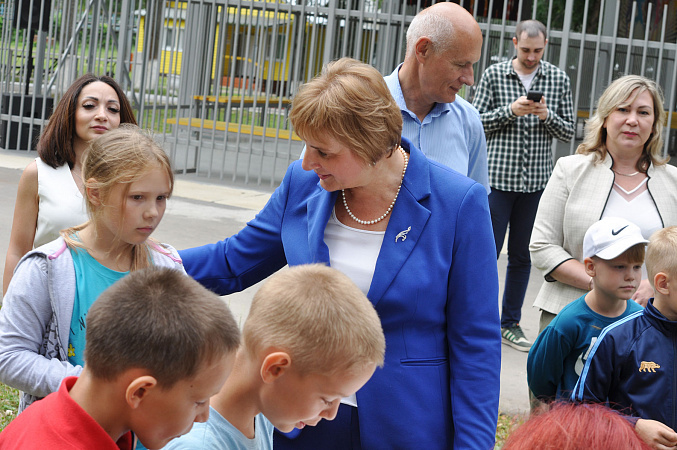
[[202, 212]]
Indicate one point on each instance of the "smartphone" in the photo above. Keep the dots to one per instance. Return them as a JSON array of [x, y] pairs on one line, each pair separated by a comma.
[[534, 95]]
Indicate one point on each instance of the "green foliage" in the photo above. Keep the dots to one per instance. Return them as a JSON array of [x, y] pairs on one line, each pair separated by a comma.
[[557, 16], [9, 402]]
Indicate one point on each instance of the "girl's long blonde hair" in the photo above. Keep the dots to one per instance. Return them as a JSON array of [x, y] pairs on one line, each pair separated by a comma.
[[121, 156]]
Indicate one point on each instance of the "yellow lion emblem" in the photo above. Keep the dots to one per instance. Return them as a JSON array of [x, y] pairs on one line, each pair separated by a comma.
[[648, 366]]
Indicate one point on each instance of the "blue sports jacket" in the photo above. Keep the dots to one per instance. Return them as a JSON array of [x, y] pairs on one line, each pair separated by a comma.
[[632, 366], [435, 288]]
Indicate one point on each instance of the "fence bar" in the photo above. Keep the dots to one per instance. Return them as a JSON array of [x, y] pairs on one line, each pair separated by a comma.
[[251, 56], [577, 87]]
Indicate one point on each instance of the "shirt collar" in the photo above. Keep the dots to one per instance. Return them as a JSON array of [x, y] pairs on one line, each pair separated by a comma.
[[393, 83], [540, 72]]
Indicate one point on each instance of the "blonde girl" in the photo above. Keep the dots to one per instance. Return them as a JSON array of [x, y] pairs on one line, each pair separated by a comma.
[[127, 179]]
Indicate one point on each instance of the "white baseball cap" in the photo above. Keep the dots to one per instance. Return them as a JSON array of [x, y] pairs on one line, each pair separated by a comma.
[[610, 237]]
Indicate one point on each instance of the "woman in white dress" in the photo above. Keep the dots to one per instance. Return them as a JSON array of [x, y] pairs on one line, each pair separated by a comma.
[[49, 196]]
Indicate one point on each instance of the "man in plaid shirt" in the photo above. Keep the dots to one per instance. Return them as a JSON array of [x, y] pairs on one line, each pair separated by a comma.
[[519, 134]]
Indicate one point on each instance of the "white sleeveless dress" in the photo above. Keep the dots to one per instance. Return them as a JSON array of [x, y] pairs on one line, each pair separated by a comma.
[[60, 202]]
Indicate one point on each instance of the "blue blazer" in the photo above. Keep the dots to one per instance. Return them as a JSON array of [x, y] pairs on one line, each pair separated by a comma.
[[435, 290]]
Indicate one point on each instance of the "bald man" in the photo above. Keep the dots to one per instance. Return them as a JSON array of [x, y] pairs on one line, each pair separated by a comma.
[[443, 43]]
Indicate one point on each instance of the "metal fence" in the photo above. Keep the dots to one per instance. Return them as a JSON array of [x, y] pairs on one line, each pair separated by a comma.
[[215, 78]]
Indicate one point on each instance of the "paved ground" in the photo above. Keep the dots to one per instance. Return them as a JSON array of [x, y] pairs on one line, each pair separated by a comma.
[[201, 213]]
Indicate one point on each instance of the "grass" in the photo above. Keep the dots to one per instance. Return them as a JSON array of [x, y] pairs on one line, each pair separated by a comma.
[[9, 402], [506, 424]]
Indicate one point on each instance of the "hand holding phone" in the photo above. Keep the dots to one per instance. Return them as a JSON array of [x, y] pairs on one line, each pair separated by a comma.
[[534, 96]]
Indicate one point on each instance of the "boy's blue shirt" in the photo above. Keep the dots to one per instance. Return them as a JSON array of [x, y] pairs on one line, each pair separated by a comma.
[[632, 367], [217, 433], [557, 357]]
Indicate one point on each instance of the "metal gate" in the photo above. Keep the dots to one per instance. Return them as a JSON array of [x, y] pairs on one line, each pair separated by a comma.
[[214, 78]]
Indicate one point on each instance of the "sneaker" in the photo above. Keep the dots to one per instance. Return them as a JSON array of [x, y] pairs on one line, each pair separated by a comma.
[[514, 337]]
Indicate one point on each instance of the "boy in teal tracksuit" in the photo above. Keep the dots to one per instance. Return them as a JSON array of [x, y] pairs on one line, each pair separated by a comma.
[[614, 253]]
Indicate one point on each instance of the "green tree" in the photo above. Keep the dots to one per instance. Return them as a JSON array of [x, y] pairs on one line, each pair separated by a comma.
[[557, 17]]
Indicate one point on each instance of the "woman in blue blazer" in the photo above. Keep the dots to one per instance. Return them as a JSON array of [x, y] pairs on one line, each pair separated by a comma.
[[414, 235]]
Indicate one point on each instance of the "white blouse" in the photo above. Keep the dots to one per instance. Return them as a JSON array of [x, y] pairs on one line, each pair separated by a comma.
[[636, 206], [353, 251], [61, 204]]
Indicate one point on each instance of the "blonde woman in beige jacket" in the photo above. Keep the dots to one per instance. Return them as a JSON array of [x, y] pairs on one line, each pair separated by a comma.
[[618, 171]]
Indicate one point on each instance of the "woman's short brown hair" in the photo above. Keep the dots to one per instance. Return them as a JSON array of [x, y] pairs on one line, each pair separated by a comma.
[[55, 146], [619, 93], [351, 102]]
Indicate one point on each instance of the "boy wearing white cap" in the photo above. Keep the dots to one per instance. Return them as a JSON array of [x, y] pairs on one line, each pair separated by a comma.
[[613, 251]]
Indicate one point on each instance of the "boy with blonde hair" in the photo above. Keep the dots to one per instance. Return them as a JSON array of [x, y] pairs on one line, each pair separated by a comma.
[[613, 250], [311, 338], [158, 346], [631, 365]]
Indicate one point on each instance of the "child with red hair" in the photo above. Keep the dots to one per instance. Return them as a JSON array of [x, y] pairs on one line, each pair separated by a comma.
[[568, 426]]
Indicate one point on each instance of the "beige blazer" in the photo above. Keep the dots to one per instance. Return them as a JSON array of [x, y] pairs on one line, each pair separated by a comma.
[[574, 199]]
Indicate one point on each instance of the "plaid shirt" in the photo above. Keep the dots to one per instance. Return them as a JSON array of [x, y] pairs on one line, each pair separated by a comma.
[[520, 148]]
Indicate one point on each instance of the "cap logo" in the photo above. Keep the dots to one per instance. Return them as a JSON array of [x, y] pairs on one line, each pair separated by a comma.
[[615, 232]]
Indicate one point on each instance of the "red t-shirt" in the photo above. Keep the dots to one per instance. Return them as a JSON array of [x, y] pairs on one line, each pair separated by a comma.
[[57, 422]]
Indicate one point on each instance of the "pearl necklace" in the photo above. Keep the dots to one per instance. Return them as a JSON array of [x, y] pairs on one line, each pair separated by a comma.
[[371, 222]]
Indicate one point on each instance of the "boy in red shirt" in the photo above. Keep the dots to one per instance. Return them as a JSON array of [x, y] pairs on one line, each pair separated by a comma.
[[159, 345]]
